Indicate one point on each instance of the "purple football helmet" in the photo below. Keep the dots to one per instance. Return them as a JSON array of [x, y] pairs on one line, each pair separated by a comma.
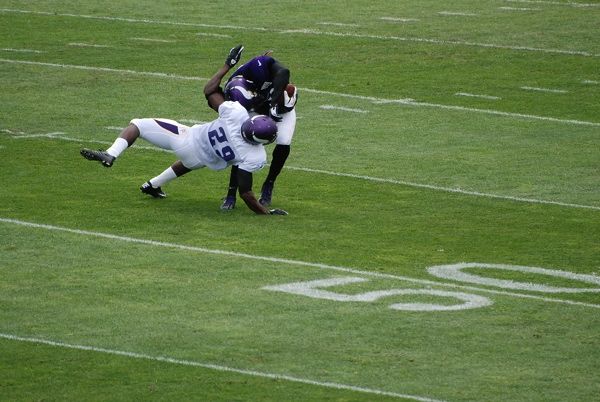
[[239, 89], [259, 129]]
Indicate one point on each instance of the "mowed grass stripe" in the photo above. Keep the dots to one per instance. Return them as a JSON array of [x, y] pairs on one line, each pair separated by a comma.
[[170, 360], [373, 100], [288, 261], [65, 137], [304, 31]]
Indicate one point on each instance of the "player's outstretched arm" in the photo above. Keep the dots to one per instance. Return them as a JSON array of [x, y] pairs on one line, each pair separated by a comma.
[[212, 89], [245, 189]]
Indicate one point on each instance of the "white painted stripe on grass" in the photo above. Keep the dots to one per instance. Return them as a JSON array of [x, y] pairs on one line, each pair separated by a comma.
[[477, 96], [61, 136], [213, 35], [457, 13], [217, 367], [556, 3], [286, 261], [445, 189], [338, 24], [406, 101], [591, 82], [313, 32], [154, 40], [501, 113], [519, 9], [8, 49], [556, 91], [80, 44], [343, 109], [131, 20], [399, 19], [105, 69], [444, 42]]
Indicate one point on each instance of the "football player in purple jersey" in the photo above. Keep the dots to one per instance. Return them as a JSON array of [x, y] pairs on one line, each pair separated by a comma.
[[267, 80]]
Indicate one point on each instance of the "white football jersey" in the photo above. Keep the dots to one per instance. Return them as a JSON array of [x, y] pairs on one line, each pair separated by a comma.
[[220, 142]]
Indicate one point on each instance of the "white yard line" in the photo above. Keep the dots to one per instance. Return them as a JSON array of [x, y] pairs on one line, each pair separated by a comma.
[[477, 96], [217, 367], [375, 100], [444, 42], [326, 267], [314, 32], [62, 136], [104, 69]]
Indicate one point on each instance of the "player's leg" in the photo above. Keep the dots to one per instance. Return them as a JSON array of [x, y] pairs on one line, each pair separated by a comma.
[[168, 134], [285, 133], [153, 186], [107, 158], [230, 198]]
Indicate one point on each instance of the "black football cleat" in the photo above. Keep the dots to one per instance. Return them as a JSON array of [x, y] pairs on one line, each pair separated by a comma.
[[228, 203], [100, 156], [155, 192], [266, 194]]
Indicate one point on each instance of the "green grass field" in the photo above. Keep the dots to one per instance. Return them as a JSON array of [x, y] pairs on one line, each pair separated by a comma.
[[460, 135]]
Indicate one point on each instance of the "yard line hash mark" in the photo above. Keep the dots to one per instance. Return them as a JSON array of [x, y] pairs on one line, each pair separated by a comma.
[[555, 91], [7, 49], [327, 267], [519, 9], [79, 44], [154, 40], [554, 3], [344, 109], [315, 32], [406, 101], [457, 13], [477, 96], [217, 367]]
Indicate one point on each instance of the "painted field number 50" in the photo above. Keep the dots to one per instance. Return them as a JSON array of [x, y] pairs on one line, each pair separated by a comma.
[[315, 289]]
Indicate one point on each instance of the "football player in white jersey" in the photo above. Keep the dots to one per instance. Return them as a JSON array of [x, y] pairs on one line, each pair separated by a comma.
[[234, 138]]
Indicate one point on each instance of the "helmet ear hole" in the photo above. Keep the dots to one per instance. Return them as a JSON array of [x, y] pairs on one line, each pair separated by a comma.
[[259, 129], [239, 89]]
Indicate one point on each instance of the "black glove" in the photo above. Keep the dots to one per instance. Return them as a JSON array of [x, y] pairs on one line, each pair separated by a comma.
[[277, 212], [234, 55]]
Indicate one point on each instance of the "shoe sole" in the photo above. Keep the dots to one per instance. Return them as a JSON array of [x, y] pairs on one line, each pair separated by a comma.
[[93, 157]]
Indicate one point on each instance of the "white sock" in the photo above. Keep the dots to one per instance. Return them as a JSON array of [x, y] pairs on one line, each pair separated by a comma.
[[118, 147], [163, 178]]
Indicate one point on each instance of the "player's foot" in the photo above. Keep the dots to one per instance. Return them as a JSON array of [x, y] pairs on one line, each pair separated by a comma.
[[100, 156], [265, 194], [228, 203], [155, 192]]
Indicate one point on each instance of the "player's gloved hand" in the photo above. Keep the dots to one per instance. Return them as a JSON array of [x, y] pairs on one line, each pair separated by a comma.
[[289, 102], [277, 212], [234, 55], [275, 114]]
